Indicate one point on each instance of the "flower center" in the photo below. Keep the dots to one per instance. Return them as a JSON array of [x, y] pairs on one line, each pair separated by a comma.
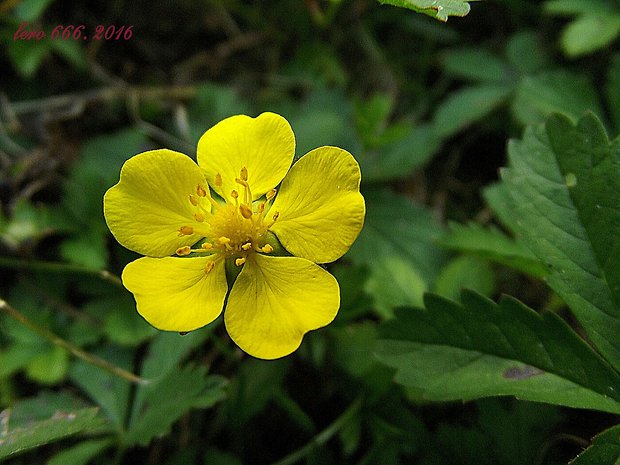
[[234, 229]]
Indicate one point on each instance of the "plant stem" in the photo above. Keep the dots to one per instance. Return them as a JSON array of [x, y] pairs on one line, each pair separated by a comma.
[[324, 436], [55, 267], [60, 342]]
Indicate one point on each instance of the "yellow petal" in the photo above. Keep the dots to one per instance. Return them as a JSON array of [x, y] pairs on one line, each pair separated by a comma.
[[175, 294], [150, 203], [321, 210], [275, 301], [265, 145]]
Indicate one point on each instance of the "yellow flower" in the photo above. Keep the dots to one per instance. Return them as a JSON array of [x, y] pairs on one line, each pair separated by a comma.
[[164, 205]]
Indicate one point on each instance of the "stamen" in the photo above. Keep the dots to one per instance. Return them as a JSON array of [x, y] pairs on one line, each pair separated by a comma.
[[207, 246], [246, 211], [244, 174], [218, 180], [235, 195], [201, 191], [199, 217], [261, 208], [276, 215], [186, 231], [240, 261], [193, 200], [267, 248], [181, 251], [247, 246], [271, 194], [224, 240], [208, 267]]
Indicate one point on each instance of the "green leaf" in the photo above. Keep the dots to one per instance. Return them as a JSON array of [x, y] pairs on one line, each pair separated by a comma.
[[397, 246], [475, 64], [394, 282], [612, 90], [399, 158], [478, 348], [31, 10], [80, 454], [110, 392], [396, 227], [467, 106], [465, 273], [49, 367], [589, 33], [492, 244], [564, 180], [439, 9], [44, 419], [526, 53], [168, 399], [604, 450], [554, 91], [570, 7], [27, 56]]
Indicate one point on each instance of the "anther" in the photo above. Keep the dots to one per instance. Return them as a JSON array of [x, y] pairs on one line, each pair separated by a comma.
[[199, 217], [246, 211], [271, 194], [240, 261], [193, 200], [234, 194], [276, 215], [207, 246], [201, 191], [267, 248], [224, 240], [208, 267], [244, 174], [181, 251], [186, 231], [261, 207], [218, 180], [247, 246]]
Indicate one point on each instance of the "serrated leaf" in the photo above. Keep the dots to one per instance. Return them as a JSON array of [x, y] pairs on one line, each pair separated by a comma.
[[453, 351], [494, 245], [440, 9], [44, 419], [170, 398], [110, 392], [564, 180], [604, 450]]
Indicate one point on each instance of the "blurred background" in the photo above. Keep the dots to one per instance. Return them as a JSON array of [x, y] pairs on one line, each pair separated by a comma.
[[427, 109]]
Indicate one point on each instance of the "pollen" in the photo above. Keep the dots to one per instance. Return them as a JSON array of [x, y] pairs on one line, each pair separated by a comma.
[[240, 261], [246, 211], [199, 217], [267, 248], [186, 231], [201, 191], [244, 174], [218, 180], [208, 267], [247, 246], [181, 251], [193, 200]]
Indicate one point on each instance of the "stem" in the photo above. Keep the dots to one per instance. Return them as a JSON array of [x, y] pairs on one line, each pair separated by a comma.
[[55, 267], [58, 341], [324, 436]]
